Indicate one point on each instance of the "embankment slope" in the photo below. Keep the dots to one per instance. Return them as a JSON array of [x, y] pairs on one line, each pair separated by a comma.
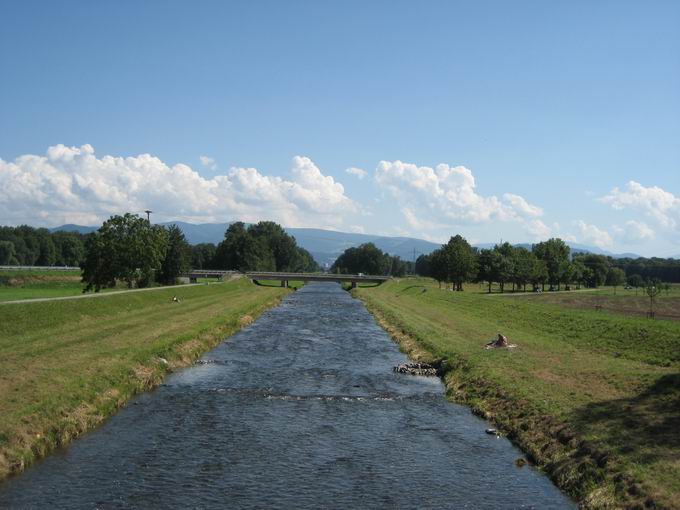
[[67, 365], [593, 398]]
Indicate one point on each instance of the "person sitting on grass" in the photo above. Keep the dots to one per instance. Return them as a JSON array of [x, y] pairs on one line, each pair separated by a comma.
[[501, 341]]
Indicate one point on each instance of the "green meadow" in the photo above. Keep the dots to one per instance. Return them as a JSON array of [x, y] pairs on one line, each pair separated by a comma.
[[67, 365], [31, 284], [592, 396]]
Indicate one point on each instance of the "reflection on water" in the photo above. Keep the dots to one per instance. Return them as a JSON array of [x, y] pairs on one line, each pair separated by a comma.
[[299, 410]]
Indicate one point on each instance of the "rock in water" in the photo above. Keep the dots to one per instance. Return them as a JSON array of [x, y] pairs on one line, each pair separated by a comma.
[[415, 369]]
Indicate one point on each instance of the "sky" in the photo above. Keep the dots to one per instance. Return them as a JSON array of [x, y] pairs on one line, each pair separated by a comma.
[[514, 121]]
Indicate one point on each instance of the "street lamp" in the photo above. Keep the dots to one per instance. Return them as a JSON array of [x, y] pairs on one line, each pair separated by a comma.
[[148, 215]]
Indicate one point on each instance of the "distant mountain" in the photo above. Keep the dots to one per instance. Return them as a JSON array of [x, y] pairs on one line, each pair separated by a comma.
[[326, 245], [575, 248], [74, 228]]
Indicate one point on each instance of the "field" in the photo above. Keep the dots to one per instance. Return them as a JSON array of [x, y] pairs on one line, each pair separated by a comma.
[[593, 397], [624, 302], [66, 365], [31, 284]]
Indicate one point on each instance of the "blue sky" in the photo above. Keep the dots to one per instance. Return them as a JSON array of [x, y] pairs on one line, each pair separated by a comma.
[[546, 118]]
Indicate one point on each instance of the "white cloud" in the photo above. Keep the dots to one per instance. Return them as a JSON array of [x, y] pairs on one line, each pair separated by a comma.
[[634, 232], [539, 230], [592, 234], [208, 162], [73, 185], [357, 172], [417, 223], [447, 196], [661, 205], [522, 206]]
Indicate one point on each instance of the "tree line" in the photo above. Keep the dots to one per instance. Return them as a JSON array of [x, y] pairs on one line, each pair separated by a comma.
[[28, 246], [369, 259], [549, 263], [130, 249]]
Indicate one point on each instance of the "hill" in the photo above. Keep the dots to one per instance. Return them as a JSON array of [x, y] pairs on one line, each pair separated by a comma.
[[326, 245]]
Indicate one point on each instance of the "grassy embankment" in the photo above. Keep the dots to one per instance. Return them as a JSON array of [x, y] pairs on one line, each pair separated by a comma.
[[31, 284], [592, 397], [67, 365]]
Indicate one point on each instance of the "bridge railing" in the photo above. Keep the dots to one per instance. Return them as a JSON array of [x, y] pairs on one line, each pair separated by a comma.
[[39, 268]]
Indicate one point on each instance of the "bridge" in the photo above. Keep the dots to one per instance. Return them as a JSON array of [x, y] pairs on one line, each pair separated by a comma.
[[195, 274], [284, 278]]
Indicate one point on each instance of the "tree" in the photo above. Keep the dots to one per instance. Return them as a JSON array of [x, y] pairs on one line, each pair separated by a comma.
[[47, 254], [282, 247], [7, 253], [439, 269], [635, 280], [461, 261], [598, 268], [653, 288], [539, 273], [70, 250], [202, 255], [554, 252], [264, 246], [488, 263], [366, 258], [241, 251], [579, 272], [615, 277], [126, 248], [423, 265], [177, 257], [506, 264], [523, 266]]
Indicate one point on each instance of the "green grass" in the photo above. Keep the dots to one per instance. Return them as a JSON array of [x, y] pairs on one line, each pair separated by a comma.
[[66, 365], [594, 397], [24, 284]]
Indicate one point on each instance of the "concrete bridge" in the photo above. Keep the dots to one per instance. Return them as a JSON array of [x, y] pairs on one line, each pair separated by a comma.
[[284, 278], [195, 274]]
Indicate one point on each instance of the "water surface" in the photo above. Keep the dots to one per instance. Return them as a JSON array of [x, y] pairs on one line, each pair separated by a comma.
[[299, 410]]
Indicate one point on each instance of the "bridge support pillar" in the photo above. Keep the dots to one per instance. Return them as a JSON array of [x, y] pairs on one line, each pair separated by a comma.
[[193, 280], [354, 285], [284, 283]]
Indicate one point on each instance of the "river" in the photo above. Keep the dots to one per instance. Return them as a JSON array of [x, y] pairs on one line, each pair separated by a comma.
[[299, 410]]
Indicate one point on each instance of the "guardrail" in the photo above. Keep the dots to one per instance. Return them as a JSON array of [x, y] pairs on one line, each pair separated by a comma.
[[39, 268]]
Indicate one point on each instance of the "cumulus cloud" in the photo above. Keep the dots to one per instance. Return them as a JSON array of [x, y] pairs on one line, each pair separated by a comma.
[[522, 206], [539, 230], [208, 162], [661, 205], [443, 196], [417, 223], [634, 232], [357, 172], [593, 234], [73, 185]]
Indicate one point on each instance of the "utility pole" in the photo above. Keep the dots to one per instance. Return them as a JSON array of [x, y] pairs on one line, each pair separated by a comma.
[[148, 215]]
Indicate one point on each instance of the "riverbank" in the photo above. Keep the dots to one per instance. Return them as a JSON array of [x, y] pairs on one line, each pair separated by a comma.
[[592, 398], [65, 366]]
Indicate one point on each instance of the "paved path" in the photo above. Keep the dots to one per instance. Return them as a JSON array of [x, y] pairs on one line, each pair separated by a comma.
[[99, 294], [546, 293]]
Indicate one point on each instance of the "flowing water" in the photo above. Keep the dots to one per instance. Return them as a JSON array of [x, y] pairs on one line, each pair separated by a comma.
[[299, 410]]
